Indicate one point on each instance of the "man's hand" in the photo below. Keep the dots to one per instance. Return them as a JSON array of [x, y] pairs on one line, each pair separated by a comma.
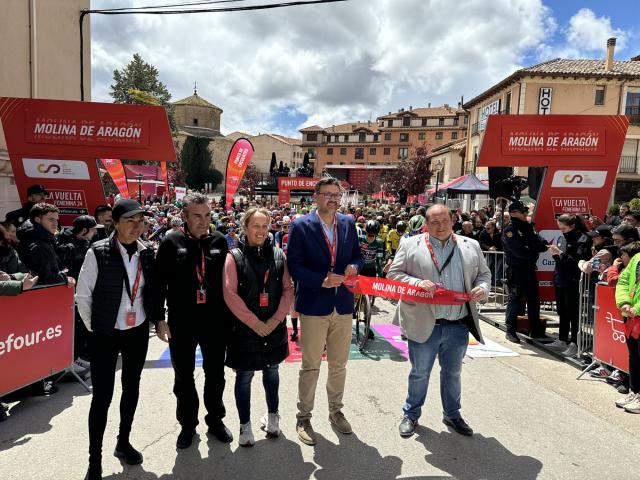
[[4, 277], [333, 280], [478, 294], [429, 286], [261, 328], [71, 282], [162, 331], [350, 270], [28, 282]]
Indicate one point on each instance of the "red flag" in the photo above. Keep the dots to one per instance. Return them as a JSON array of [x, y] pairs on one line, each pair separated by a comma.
[[392, 289], [165, 176], [116, 170], [237, 163]]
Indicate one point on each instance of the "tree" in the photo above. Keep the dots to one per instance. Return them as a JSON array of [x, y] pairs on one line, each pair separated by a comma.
[[274, 163], [249, 181], [195, 158], [138, 83]]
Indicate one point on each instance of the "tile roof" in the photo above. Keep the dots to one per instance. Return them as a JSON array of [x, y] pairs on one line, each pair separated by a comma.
[[290, 141], [561, 67], [197, 101], [424, 112], [312, 128]]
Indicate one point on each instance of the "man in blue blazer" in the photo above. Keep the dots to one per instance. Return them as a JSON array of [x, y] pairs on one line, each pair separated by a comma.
[[323, 249]]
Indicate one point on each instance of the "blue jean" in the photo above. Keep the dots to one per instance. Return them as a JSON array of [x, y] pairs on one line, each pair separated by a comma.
[[449, 344], [271, 383]]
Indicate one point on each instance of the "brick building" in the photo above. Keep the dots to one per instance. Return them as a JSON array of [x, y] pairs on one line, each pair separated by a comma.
[[359, 152]]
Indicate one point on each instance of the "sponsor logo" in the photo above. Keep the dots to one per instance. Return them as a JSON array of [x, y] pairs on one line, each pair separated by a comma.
[[575, 205], [61, 169], [70, 202], [546, 263], [573, 179]]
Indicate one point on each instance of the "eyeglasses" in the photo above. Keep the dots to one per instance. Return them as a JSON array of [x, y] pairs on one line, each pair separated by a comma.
[[330, 195]]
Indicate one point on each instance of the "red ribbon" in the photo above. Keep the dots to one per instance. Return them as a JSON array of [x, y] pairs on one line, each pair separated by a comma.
[[394, 290]]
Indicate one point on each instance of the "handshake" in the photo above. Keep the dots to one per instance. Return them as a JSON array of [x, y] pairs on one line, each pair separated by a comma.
[[334, 280]]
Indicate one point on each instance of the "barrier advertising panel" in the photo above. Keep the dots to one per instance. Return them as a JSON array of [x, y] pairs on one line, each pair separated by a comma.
[[35, 344], [286, 184], [609, 340]]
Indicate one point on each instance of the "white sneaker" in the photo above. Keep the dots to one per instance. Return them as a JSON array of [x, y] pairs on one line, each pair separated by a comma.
[[572, 351], [246, 435], [271, 424], [557, 345], [634, 405], [621, 402]]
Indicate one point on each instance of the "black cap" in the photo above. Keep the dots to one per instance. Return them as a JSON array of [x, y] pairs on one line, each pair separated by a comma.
[[34, 189], [84, 221], [518, 206], [126, 208], [603, 231]]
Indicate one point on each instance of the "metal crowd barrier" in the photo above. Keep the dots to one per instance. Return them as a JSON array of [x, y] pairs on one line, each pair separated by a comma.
[[498, 295], [586, 315]]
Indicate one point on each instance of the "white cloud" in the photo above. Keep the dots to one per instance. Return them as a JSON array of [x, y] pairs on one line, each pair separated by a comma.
[[333, 63]]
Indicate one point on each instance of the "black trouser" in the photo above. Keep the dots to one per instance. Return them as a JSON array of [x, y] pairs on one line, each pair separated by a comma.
[[567, 304], [80, 338], [523, 283], [185, 337], [104, 349], [634, 364]]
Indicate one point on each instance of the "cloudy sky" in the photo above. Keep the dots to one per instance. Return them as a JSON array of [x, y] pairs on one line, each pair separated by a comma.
[[280, 70]]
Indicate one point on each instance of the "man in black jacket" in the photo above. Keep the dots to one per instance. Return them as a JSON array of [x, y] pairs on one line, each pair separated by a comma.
[[35, 194], [37, 245], [188, 276], [522, 246]]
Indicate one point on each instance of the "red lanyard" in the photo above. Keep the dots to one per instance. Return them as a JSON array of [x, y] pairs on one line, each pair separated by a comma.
[[133, 292], [433, 256], [333, 246], [199, 268], [266, 279]]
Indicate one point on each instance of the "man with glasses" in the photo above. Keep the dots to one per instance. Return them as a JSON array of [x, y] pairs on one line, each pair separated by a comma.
[[624, 234], [323, 249]]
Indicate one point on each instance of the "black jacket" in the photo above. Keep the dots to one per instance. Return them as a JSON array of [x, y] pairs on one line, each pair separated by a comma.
[[71, 250], [246, 350], [20, 216], [37, 252], [176, 280], [486, 241], [521, 244], [575, 246]]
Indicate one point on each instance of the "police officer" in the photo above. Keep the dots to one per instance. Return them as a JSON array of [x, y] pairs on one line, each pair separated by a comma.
[[188, 273], [35, 194], [522, 246]]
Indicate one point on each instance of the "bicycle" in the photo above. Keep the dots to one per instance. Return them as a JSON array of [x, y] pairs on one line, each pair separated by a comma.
[[363, 320]]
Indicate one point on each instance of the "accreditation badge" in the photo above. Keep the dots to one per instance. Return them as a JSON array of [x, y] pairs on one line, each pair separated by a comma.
[[264, 299], [201, 296], [131, 318]]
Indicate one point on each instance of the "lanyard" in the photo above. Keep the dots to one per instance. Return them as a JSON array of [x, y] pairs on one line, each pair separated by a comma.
[[433, 256], [266, 279], [133, 293], [200, 269], [333, 246]]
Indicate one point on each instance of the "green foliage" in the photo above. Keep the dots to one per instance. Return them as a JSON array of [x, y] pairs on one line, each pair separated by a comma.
[[634, 204], [138, 83], [195, 159], [613, 209]]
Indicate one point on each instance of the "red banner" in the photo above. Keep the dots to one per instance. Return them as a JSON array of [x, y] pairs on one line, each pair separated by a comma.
[[286, 184], [394, 290], [116, 170], [165, 177], [581, 153], [35, 344], [56, 143], [239, 158], [609, 339]]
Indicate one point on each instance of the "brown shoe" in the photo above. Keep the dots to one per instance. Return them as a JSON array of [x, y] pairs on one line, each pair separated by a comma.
[[342, 425], [305, 432]]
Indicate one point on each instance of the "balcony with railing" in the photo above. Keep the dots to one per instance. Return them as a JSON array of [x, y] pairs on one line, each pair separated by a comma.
[[629, 164], [474, 128], [634, 115]]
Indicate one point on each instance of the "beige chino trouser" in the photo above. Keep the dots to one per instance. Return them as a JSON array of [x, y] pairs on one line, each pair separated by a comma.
[[334, 331]]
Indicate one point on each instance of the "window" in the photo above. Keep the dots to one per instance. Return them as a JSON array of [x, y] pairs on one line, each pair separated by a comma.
[[372, 151], [438, 135], [441, 122], [406, 122], [329, 151], [454, 135], [507, 103], [403, 153], [466, 120], [421, 136], [195, 122], [345, 138], [376, 137], [599, 96], [387, 136], [312, 153], [312, 137], [387, 151], [362, 137], [343, 151], [359, 153], [424, 122], [404, 137], [456, 120], [389, 123]]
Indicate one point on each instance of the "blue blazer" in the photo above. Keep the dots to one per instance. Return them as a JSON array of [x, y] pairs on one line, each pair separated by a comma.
[[309, 261]]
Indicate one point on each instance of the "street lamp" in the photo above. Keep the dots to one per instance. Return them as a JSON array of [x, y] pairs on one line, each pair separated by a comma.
[[139, 179], [439, 164]]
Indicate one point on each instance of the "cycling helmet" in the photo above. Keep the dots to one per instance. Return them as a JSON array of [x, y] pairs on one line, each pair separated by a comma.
[[416, 223], [372, 227], [361, 219], [401, 227]]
